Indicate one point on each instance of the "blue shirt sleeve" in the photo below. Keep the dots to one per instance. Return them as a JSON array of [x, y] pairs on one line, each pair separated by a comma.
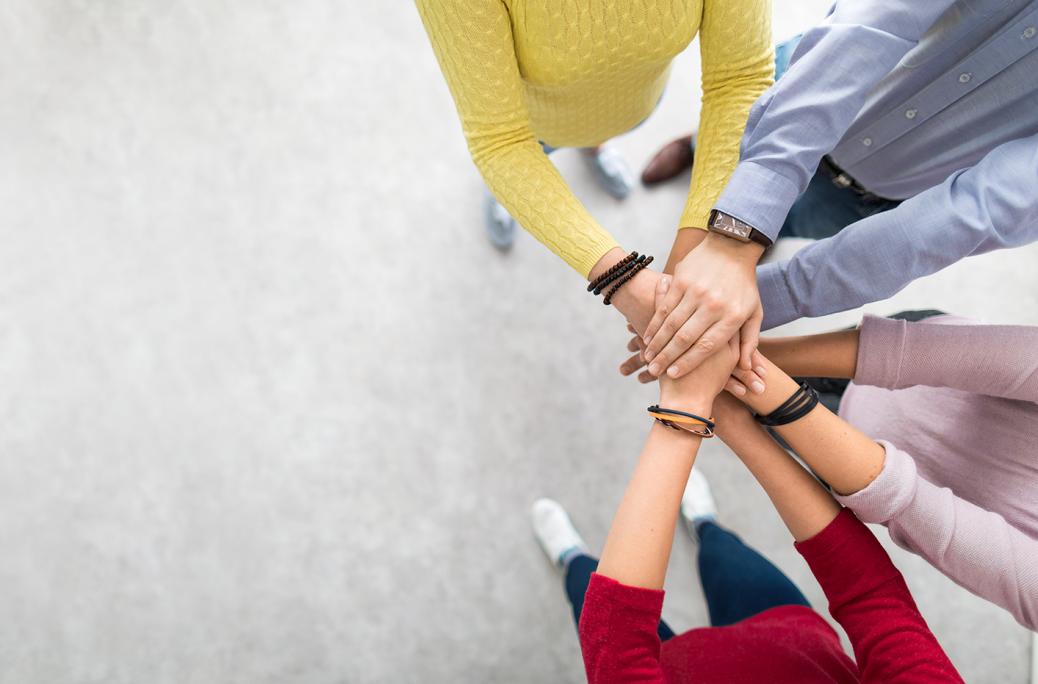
[[806, 113], [992, 205]]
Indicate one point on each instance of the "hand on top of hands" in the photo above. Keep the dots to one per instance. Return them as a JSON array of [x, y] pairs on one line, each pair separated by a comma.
[[696, 390], [713, 299]]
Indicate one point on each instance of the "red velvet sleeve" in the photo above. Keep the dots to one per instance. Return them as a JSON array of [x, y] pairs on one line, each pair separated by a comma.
[[869, 598], [618, 632]]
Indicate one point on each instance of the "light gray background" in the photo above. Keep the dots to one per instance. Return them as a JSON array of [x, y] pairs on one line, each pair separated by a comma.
[[274, 411]]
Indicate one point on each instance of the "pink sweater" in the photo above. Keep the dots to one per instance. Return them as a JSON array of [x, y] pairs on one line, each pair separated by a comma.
[[964, 399]]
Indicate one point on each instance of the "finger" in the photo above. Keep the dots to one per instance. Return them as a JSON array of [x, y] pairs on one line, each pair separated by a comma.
[[630, 329], [645, 377], [735, 387], [668, 330], [632, 364], [709, 341], [749, 380], [758, 364], [749, 338], [664, 306], [633, 344], [682, 341]]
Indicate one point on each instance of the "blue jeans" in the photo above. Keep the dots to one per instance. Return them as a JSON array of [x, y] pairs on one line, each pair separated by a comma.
[[823, 209], [738, 582]]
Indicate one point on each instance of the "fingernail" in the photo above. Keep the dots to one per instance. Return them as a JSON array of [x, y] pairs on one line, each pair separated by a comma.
[[673, 372], [759, 370], [664, 284], [648, 355], [647, 339], [654, 369], [739, 390], [757, 386]]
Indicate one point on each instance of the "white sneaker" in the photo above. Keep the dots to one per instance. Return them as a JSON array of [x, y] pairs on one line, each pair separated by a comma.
[[555, 531], [697, 503], [610, 169], [500, 226]]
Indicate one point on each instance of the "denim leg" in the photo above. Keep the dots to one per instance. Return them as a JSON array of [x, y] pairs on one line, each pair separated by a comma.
[[578, 575], [737, 581]]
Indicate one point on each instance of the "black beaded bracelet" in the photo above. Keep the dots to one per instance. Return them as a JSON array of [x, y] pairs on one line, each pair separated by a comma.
[[614, 272], [637, 265], [796, 407]]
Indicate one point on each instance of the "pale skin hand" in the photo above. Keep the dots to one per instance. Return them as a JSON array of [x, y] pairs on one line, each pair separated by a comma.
[[636, 344], [712, 298]]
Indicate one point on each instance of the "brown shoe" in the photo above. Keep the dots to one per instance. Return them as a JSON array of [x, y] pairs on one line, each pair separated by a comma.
[[669, 162]]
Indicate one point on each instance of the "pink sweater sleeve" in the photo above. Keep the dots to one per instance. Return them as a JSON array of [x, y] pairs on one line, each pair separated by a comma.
[[996, 360], [976, 548]]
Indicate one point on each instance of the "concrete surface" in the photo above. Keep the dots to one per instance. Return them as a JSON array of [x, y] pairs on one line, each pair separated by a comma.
[[273, 410]]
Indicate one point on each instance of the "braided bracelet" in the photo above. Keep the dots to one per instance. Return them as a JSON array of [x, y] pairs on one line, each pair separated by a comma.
[[638, 264], [796, 407], [614, 272]]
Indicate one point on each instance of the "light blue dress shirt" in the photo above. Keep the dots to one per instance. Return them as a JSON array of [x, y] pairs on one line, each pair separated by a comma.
[[932, 100]]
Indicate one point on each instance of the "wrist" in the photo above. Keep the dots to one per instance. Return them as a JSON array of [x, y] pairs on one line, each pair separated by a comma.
[[747, 253], [699, 404], [635, 299]]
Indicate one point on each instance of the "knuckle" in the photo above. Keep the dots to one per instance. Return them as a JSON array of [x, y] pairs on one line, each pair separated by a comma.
[[706, 345], [684, 338]]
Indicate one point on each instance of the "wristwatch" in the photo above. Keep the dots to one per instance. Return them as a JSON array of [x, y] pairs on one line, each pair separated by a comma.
[[729, 226]]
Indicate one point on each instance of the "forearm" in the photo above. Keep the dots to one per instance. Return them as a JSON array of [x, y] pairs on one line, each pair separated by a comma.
[[638, 547], [804, 115], [841, 455], [989, 206], [805, 507], [828, 355], [685, 241]]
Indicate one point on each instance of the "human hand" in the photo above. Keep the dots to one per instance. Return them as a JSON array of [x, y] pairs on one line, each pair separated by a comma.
[[731, 416], [712, 300], [697, 389]]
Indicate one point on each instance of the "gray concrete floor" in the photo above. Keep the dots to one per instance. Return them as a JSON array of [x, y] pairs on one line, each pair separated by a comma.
[[274, 411]]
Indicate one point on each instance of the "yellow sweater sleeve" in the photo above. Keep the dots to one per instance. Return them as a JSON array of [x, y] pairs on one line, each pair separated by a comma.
[[738, 65], [473, 43]]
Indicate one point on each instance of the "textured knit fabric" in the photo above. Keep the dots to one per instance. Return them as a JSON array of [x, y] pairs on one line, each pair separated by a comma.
[[961, 398], [575, 74], [867, 596]]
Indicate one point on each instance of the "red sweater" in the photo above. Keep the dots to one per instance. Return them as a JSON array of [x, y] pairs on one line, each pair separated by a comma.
[[867, 596]]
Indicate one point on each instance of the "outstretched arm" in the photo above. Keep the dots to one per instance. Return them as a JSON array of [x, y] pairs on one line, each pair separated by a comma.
[[624, 598], [866, 593]]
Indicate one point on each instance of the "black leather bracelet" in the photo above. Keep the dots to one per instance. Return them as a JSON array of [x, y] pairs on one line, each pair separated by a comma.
[[796, 407]]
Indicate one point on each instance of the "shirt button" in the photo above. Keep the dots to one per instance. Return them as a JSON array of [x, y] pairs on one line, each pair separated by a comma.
[[965, 78], [910, 114], [866, 142], [1029, 32]]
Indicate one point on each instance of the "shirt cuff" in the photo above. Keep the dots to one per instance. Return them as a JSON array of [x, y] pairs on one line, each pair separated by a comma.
[[890, 493], [647, 602], [881, 347], [758, 196], [775, 295]]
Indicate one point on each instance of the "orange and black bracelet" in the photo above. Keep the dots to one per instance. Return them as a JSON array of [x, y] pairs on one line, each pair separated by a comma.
[[682, 421]]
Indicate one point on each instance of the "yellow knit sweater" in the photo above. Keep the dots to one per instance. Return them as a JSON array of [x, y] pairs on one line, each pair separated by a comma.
[[574, 73]]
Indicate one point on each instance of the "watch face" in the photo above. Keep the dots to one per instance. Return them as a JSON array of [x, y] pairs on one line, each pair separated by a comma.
[[730, 225]]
